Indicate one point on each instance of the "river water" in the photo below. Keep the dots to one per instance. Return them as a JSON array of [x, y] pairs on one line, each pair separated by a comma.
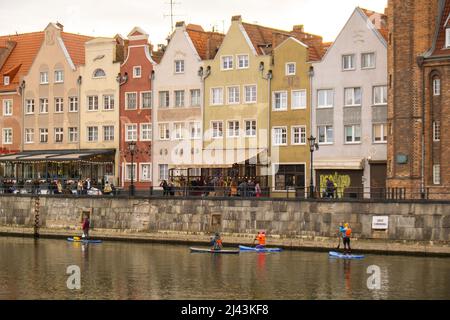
[[32, 269]]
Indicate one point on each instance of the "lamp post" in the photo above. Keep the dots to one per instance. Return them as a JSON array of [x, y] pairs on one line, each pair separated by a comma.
[[132, 150], [313, 146]]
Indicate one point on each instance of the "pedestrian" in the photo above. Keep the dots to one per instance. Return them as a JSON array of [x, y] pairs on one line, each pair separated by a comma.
[[257, 190], [85, 226], [79, 187], [330, 188], [107, 190], [164, 185]]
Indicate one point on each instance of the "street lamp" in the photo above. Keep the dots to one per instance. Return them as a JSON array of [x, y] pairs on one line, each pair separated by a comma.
[[132, 150], [313, 146]]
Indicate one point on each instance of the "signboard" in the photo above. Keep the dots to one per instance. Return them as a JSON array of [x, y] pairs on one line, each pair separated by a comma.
[[380, 222]]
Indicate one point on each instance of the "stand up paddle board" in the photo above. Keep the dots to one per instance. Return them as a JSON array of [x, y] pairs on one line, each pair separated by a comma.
[[207, 250], [344, 256], [84, 240], [254, 249]]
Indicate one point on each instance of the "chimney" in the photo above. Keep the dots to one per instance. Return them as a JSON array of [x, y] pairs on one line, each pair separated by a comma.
[[180, 24], [298, 28], [60, 26], [236, 18]]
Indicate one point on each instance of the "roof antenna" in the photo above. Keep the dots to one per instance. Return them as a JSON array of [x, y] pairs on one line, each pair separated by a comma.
[[172, 3]]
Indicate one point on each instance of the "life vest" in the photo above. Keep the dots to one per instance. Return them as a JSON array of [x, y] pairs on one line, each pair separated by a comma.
[[262, 239], [348, 232]]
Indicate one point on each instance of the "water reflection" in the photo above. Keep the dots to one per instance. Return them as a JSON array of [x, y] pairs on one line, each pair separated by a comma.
[[30, 270]]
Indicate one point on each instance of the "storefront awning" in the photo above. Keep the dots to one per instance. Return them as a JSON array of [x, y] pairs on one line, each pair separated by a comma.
[[339, 164], [57, 156], [225, 158]]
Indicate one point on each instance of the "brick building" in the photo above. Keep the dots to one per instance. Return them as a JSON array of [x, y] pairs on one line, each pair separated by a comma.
[[418, 70]]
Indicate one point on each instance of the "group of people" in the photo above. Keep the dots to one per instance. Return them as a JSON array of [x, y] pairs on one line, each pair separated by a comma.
[[345, 232], [216, 241]]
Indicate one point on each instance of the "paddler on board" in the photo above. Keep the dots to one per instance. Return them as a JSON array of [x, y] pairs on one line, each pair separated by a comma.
[[346, 238], [261, 237], [216, 242]]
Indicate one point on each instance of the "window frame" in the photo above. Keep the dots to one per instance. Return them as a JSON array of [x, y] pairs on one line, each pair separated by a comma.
[[238, 59], [353, 127], [447, 38], [127, 100], [10, 135], [222, 63], [436, 87], [59, 104], [166, 171], [176, 103], [141, 179], [142, 100], [182, 128], [26, 135], [126, 131], [326, 142], [303, 91], [199, 98], [354, 104], [167, 131], [70, 134], [62, 76], [328, 106], [109, 133], [141, 131], [245, 128], [436, 174], [245, 93], [10, 104], [287, 71], [183, 66], [166, 100], [57, 134], [134, 168], [301, 127], [221, 102], [436, 131], [40, 77], [111, 102], [196, 136], [234, 96], [87, 133], [98, 77], [384, 133], [274, 140], [95, 103], [41, 104], [135, 76], [213, 130], [73, 100], [234, 134], [285, 108], [353, 60], [43, 133], [374, 60], [382, 95]]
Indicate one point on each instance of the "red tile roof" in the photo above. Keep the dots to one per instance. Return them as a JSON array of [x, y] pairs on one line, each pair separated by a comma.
[[379, 20], [206, 43], [440, 41], [20, 58], [75, 46]]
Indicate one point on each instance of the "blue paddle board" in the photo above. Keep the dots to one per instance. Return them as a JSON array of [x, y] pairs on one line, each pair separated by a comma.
[[84, 240], [206, 250], [339, 255], [254, 249]]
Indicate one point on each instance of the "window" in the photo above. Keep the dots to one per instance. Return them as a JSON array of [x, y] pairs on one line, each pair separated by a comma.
[[179, 66], [7, 107], [128, 171], [195, 130], [298, 99], [43, 77], [380, 95], [195, 98], [59, 76], [290, 68], [73, 104], [217, 129], [243, 61], [178, 130], [279, 136], [179, 98], [163, 172], [348, 62], [227, 63], [437, 174], [436, 131], [289, 177], [325, 98], [99, 73], [6, 80], [59, 135], [29, 106], [131, 132], [137, 72], [164, 131], [352, 96], [92, 102], [298, 135], [234, 95], [368, 60], [250, 128], [7, 136], [29, 135], [146, 131], [436, 87], [250, 94], [145, 172], [217, 96], [43, 135], [43, 105], [92, 134], [73, 134], [280, 100], [59, 105], [131, 100], [108, 102], [146, 100], [325, 134], [108, 133], [352, 134], [233, 129], [379, 133], [164, 100], [447, 38]]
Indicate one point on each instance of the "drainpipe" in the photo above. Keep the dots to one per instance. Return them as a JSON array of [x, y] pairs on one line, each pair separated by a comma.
[[311, 124], [420, 61], [268, 77], [203, 76], [22, 93], [121, 80], [152, 143], [79, 81]]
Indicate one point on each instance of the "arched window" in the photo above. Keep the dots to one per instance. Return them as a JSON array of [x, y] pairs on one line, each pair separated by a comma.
[[99, 73], [436, 86]]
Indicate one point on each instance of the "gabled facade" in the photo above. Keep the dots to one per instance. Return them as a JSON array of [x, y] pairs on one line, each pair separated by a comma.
[[136, 110], [236, 115], [17, 53], [419, 99], [350, 108], [99, 108], [179, 102]]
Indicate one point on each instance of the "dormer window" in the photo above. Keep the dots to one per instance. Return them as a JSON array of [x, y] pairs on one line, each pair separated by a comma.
[[137, 72], [6, 80], [99, 73], [447, 38]]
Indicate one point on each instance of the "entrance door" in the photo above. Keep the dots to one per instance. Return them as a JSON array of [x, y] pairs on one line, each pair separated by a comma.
[[377, 180]]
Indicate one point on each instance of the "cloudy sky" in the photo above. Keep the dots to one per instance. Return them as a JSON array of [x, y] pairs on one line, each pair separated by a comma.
[[109, 17]]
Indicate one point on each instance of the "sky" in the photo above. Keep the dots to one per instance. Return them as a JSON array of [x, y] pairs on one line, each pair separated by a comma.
[[111, 17]]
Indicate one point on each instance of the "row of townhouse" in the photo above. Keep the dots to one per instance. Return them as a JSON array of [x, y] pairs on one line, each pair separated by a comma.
[[239, 106]]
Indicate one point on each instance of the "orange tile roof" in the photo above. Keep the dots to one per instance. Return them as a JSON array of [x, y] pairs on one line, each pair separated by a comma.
[[75, 46], [205, 42], [439, 47], [379, 20], [21, 57], [263, 39]]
